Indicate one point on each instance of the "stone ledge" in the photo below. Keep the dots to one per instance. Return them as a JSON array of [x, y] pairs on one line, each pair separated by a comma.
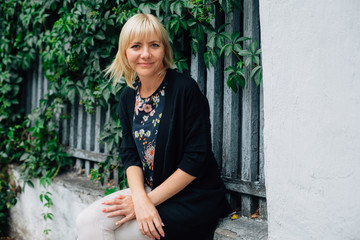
[[241, 229], [72, 193]]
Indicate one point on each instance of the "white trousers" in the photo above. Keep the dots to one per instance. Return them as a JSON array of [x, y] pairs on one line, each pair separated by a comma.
[[93, 224]]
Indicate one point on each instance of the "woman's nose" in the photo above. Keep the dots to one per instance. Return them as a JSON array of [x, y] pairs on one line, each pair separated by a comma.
[[145, 53]]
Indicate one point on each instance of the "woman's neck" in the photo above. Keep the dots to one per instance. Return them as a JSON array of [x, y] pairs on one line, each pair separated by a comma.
[[149, 85]]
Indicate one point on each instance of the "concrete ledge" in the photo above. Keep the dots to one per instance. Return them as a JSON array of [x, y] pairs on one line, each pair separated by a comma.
[[71, 194], [241, 229]]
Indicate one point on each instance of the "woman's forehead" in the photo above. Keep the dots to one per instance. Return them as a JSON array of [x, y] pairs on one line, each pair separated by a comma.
[[144, 36]]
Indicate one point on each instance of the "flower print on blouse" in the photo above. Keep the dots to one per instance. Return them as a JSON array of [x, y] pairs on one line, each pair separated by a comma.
[[147, 115]]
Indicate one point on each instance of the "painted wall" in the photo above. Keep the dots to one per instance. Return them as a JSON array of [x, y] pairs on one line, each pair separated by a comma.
[[70, 194], [311, 60]]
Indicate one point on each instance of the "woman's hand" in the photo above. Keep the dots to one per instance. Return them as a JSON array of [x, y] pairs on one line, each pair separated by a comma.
[[148, 218], [121, 205]]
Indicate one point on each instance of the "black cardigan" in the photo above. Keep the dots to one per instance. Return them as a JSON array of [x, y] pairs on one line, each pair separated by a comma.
[[183, 141]]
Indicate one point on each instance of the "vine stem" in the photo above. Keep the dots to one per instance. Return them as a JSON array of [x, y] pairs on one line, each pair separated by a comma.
[[237, 56], [57, 171]]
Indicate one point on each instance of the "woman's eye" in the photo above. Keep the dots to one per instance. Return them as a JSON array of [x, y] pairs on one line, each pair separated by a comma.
[[135, 46], [155, 45]]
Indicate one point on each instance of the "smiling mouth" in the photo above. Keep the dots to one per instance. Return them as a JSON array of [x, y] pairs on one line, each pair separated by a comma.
[[145, 64]]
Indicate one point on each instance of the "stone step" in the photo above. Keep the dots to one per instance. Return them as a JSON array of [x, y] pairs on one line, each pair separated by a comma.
[[241, 229], [72, 193]]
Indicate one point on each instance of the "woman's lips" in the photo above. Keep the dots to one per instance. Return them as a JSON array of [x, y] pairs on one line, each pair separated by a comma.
[[145, 64]]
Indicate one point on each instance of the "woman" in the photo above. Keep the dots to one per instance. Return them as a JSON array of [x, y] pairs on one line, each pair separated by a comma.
[[175, 187]]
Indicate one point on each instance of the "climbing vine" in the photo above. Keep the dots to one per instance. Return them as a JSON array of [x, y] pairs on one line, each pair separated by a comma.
[[75, 41]]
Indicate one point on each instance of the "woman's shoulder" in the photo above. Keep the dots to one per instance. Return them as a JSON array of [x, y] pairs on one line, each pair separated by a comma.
[[126, 93], [127, 96], [181, 81]]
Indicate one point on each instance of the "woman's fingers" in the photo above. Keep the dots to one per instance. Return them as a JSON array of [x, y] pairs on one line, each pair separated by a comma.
[[159, 226], [113, 208], [120, 196], [148, 218], [117, 213], [153, 230], [144, 229], [124, 220], [118, 199], [121, 202]]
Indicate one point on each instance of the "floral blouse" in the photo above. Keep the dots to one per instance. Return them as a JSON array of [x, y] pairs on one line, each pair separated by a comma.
[[147, 115]]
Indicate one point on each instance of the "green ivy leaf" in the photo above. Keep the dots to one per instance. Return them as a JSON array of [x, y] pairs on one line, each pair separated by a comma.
[[226, 5], [67, 28], [30, 183], [223, 26], [50, 216], [198, 32], [106, 94], [145, 8], [237, 48], [100, 35], [107, 14], [240, 72], [229, 69], [206, 59], [220, 41], [227, 49], [194, 44], [178, 8], [258, 77], [191, 22], [255, 60], [212, 57], [239, 64], [165, 5], [241, 39], [241, 81], [110, 190], [183, 24], [252, 47], [134, 3], [247, 61], [211, 41], [231, 82], [244, 53], [235, 79], [234, 36], [226, 35], [71, 94]]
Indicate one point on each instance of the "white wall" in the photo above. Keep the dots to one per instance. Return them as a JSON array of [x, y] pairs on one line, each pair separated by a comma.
[[311, 60], [70, 195]]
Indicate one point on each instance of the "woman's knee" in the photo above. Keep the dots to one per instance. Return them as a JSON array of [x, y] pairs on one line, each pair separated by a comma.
[[90, 216], [81, 219]]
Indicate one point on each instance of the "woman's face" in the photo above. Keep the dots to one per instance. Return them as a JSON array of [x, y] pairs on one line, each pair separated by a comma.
[[145, 56]]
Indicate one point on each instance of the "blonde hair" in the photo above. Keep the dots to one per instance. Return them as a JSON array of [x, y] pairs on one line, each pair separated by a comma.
[[139, 26]]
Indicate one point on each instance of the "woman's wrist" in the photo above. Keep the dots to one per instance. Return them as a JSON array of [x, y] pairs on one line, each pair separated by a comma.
[[153, 198], [139, 195]]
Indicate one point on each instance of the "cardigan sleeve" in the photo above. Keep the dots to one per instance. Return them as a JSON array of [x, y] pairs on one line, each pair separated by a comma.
[[197, 140], [128, 152]]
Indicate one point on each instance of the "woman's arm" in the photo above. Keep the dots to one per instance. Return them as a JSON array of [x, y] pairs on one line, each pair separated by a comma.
[[135, 178], [147, 216], [170, 187]]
